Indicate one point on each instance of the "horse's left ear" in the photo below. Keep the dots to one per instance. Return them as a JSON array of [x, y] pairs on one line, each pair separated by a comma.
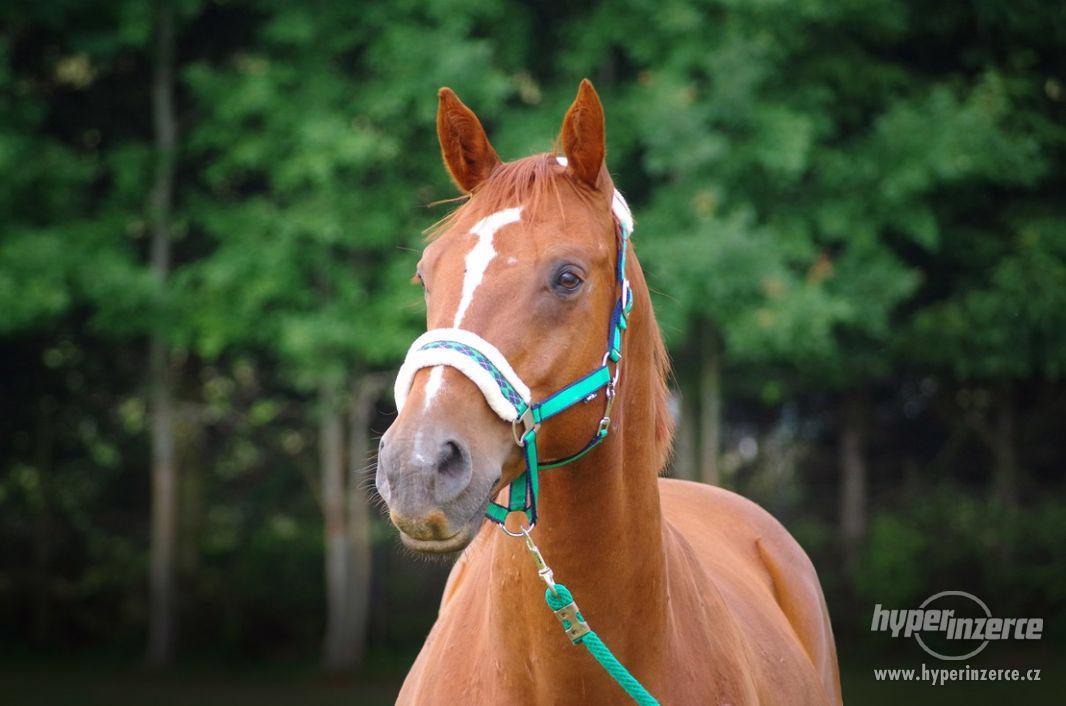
[[584, 137]]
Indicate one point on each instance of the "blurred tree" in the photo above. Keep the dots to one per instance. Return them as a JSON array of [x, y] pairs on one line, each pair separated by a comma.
[[319, 148], [798, 180], [161, 404], [1001, 325], [837, 203], [993, 316], [76, 216]]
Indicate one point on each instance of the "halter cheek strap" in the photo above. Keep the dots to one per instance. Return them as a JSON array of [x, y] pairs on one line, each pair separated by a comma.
[[511, 399]]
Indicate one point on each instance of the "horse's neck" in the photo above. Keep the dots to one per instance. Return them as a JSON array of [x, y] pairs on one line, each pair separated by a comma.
[[600, 530]]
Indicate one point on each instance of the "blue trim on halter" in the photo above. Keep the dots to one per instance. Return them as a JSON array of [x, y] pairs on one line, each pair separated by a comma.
[[474, 354]]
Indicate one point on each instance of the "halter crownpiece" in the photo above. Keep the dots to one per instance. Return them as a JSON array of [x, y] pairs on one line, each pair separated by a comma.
[[510, 398]]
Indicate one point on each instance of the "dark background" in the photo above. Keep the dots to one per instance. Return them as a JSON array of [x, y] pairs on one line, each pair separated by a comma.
[[852, 214]]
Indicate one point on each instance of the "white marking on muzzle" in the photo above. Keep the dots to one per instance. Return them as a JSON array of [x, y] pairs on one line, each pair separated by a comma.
[[433, 385]]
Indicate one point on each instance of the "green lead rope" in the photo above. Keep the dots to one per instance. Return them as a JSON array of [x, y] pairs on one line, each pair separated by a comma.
[[562, 604]]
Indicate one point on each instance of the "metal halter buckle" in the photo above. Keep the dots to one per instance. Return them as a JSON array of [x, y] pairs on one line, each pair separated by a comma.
[[527, 422], [543, 570], [609, 394]]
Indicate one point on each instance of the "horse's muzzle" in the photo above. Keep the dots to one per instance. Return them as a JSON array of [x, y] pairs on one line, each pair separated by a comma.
[[427, 481]]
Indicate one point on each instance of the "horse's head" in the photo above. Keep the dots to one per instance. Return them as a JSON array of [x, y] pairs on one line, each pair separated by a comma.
[[527, 264]]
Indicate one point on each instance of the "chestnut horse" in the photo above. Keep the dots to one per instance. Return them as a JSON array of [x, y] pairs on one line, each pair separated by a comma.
[[701, 594]]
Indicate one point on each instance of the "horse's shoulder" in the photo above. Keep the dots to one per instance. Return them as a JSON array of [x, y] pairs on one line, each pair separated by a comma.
[[799, 594], [746, 526], [726, 530], [733, 529]]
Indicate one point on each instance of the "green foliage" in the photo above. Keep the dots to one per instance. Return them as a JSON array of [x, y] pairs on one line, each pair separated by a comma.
[[309, 142], [794, 172], [893, 572], [72, 196], [858, 194], [1008, 320], [946, 537]]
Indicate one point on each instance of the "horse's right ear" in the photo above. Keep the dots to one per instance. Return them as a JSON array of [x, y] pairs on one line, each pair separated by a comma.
[[463, 143]]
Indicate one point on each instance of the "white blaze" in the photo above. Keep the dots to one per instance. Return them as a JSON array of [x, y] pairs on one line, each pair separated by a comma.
[[479, 257], [477, 261]]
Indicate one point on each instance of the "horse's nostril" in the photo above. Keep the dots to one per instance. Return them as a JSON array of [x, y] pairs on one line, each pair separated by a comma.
[[452, 461]]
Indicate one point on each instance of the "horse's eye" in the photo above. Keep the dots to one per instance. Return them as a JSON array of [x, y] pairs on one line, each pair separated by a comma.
[[567, 281]]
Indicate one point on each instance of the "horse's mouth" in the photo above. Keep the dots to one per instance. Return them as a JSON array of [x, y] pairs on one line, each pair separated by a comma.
[[458, 541]]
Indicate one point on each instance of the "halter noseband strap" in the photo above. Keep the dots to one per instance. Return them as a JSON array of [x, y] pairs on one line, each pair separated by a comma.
[[511, 399]]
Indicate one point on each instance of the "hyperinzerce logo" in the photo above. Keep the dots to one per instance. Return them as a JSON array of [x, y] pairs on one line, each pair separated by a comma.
[[953, 625]]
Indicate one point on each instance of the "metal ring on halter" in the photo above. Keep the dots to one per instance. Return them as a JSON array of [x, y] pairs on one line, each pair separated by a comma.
[[523, 531]]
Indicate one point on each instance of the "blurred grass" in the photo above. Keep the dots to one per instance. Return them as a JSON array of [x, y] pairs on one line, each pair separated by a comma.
[[156, 690], [103, 682]]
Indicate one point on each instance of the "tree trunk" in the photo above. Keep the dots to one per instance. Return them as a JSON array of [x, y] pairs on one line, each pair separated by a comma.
[[1005, 457], [41, 504], [710, 384], [190, 459], [853, 475], [1006, 472], [331, 462], [365, 395], [685, 462], [161, 627]]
